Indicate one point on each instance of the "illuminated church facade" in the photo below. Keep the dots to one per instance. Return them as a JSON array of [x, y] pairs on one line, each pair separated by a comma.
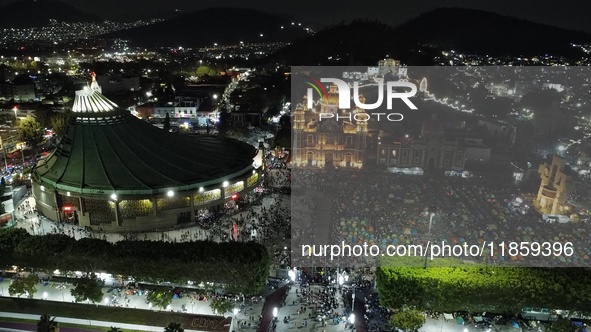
[[328, 142], [555, 186]]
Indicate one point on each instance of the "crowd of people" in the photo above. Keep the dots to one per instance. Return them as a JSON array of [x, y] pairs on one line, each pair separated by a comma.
[[390, 209]]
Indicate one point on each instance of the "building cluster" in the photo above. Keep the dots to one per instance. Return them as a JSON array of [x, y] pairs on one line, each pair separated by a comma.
[[434, 148], [59, 32], [18, 92], [244, 51], [454, 58], [184, 107]]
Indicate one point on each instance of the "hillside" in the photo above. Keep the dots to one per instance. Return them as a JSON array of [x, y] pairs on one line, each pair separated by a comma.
[[419, 40], [474, 31], [36, 13], [216, 25], [360, 42]]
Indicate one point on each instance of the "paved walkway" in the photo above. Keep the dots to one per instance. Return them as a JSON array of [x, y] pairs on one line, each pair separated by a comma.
[[89, 322], [304, 321]]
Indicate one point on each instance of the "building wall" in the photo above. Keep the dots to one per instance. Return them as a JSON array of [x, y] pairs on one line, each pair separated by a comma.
[[160, 111], [23, 93], [478, 154], [440, 156], [144, 111], [137, 214]]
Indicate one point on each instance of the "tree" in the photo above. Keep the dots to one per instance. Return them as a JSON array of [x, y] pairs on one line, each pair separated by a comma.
[[2, 190], [23, 286], [174, 327], [562, 325], [59, 123], [89, 288], [283, 137], [408, 320], [492, 288], [221, 263], [220, 305], [46, 323], [30, 131], [224, 123], [166, 123], [205, 71], [160, 299]]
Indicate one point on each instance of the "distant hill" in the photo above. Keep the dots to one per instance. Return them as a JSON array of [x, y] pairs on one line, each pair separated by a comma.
[[360, 42], [474, 31], [216, 25], [36, 13], [364, 42]]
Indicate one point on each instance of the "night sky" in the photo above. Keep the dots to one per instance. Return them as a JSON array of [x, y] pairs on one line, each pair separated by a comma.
[[570, 14]]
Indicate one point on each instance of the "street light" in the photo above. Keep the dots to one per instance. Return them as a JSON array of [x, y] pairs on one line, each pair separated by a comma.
[[341, 280], [353, 300], [235, 311], [3, 152], [352, 319], [431, 222], [275, 313], [45, 295], [15, 109], [106, 301]]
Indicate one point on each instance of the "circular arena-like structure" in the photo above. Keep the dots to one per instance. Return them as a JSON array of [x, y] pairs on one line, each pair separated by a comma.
[[116, 172]]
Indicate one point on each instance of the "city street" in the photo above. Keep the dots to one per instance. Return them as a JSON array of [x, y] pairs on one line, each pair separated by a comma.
[[61, 292]]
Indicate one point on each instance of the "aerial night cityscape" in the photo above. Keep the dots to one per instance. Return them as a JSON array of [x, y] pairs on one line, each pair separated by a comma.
[[380, 165]]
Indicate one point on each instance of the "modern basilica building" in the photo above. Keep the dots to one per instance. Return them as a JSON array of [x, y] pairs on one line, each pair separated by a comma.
[[114, 171]]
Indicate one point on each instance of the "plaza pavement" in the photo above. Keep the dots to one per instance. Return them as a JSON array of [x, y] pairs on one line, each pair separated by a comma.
[[249, 314]]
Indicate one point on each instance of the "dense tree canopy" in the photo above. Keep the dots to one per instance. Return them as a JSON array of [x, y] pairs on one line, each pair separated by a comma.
[[46, 323], [30, 131], [241, 267], [562, 325], [408, 320], [59, 123], [88, 288], [160, 298], [174, 327], [24, 286], [493, 289], [221, 305]]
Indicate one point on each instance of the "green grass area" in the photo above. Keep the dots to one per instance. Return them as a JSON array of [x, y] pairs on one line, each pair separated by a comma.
[[408, 261], [91, 312], [86, 327]]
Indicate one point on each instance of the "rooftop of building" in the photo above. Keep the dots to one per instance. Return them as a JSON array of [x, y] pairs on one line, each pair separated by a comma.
[[106, 149]]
